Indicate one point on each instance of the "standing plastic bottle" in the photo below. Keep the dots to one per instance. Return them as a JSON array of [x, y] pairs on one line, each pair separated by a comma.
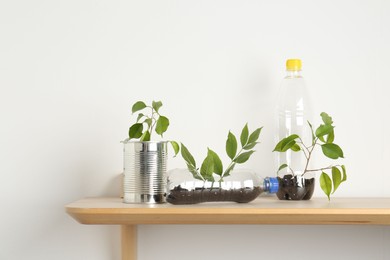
[[241, 186], [293, 113]]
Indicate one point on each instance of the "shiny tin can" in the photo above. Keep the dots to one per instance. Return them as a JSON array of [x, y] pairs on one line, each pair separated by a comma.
[[145, 170]]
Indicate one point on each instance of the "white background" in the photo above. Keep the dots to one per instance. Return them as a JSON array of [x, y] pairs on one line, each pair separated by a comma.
[[70, 71]]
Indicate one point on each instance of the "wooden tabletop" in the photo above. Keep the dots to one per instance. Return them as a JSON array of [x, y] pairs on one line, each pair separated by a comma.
[[268, 210]]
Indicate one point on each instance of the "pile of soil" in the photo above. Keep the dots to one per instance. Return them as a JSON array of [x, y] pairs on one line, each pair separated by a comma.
[[295, 188], [181, 196]]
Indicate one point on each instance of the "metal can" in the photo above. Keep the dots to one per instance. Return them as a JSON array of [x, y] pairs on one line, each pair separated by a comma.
[[145, 170]]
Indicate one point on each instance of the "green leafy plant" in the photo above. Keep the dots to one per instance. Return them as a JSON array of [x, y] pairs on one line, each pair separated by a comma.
[[147, 123], [212, 164], [324, 137]]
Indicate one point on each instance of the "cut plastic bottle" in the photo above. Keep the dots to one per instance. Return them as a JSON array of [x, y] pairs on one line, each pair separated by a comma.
[[293, 114], [241, 186]]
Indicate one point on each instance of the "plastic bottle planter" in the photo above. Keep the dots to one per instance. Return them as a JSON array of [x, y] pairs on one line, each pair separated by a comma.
[[241, 187], [296, 187], [145, 171], [293, 112]]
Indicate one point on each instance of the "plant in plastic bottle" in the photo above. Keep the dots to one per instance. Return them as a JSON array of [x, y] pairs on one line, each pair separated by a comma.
[[331, 176], [214, 182]]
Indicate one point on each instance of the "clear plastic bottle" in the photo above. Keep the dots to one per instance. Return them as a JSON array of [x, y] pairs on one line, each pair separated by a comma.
[[293, 115], [241, 186], [293, 109]]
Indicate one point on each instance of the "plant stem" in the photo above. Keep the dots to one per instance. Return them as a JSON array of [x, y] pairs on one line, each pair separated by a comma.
[[152, 124], [232, 162], [212, 185], [200, 175], [304, 146], [230, 165], [321, 169], [309, 156], [292, 171]]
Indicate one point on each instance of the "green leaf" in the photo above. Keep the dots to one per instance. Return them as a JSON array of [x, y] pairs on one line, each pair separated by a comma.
[[148, 121], [295, 148], [286, 143], [326, 184], [243, 157], [145, 136], [140, 115], [207, 168], [255, 135], [330, 138], [135, 131], [332, 151], [218, 168], [323, 130], [175, 146], [313, 137], [326, 130], [244, 135], [249, 146], [139, 105], [344, 173], [281, 167], [162, 125], [278, 147], [187, 156], [336, 177], [156, 105], [289, 145], [326, 118], [231, 146]]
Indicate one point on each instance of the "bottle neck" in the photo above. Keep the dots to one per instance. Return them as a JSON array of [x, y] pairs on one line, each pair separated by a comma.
[[271, 185], [293, 74]]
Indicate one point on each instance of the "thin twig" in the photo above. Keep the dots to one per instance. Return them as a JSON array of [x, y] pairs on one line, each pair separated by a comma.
[[321, 169], [309, 156]]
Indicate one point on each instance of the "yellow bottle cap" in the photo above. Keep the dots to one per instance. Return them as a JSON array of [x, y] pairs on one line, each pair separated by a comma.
[[294, 64]]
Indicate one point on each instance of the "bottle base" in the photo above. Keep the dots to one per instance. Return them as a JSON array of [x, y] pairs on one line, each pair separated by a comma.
[[295, 187]]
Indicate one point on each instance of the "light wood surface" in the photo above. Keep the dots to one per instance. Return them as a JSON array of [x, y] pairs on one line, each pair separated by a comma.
[[129, 242], [357, 211], [111, 211]]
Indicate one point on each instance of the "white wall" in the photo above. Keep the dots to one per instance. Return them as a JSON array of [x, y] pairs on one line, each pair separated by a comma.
[[70, 70]]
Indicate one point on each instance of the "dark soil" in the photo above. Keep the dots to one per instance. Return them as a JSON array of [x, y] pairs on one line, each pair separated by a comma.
[[181, 196], [294, 188]]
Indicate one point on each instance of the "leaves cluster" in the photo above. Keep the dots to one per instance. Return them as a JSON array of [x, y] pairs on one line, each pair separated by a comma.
[[147, 123], [153, 121], [212, 164], [324, 137]]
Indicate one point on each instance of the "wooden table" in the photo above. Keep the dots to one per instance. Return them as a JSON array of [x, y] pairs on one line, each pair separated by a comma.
[[111, 211]]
